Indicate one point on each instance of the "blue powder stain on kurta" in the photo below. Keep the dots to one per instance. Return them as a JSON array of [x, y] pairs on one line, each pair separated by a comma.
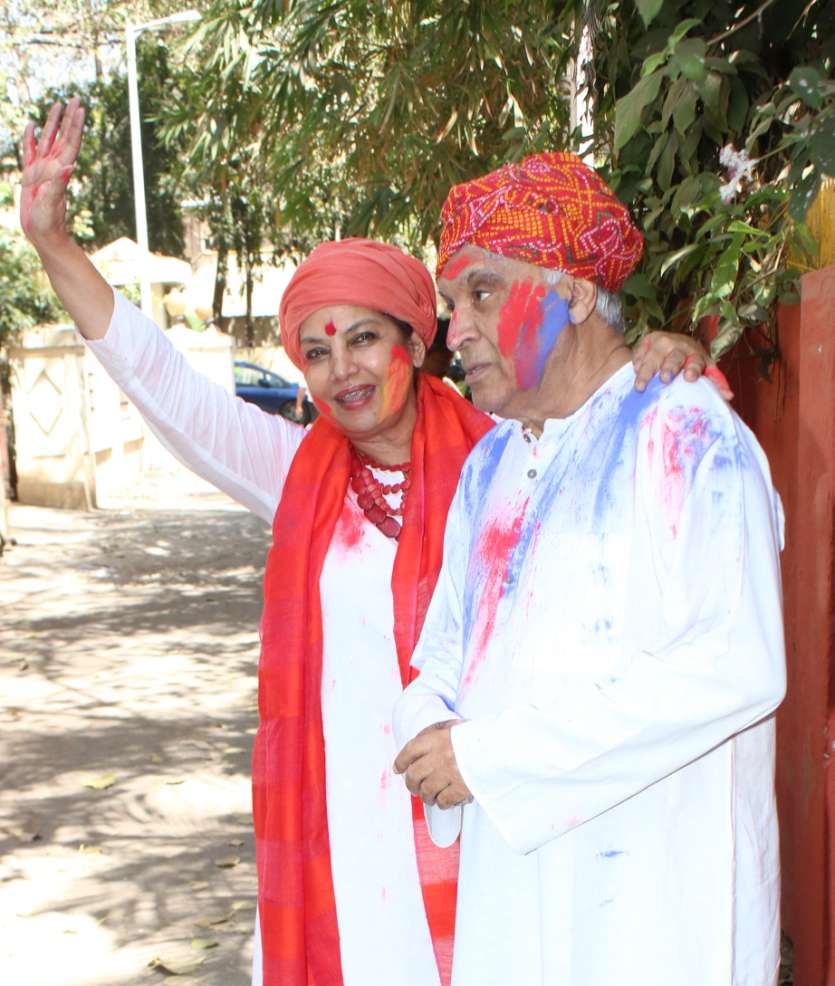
[[554, 320], [610, 853], [483, 463], [618, 438]]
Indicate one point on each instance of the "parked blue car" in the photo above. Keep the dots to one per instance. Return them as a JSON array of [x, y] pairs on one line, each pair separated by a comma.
[[271, 392]]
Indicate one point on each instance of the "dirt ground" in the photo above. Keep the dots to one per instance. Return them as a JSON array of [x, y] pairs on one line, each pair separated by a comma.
[[128, 651]]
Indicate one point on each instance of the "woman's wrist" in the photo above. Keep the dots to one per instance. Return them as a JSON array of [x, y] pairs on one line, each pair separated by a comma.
[[53, 243]]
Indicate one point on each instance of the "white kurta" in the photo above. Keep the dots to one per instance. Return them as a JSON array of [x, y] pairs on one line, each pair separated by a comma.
[[608, 622], [384, 936]]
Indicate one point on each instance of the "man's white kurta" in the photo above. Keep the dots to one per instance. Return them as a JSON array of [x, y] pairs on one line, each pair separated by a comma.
[[608, 622], [384, 935]]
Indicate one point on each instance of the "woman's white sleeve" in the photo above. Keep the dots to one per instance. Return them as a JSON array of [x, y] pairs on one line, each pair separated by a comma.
[[234, 445]]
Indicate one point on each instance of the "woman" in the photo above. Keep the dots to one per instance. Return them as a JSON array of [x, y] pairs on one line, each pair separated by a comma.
[[351, 890]]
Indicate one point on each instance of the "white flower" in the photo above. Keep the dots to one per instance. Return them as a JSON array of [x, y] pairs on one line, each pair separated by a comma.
[[738, 165]]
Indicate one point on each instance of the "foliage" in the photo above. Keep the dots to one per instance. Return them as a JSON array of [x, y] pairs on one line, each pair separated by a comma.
[[676, 83], [318, 116], [102, 203], [355, 117], [74, 41], [24, 301]]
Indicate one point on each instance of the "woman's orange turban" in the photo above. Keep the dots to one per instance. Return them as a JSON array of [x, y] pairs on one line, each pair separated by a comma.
[[550, 210], [358, 272]]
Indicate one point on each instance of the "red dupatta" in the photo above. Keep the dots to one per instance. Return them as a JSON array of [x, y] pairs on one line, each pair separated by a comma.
[[300, 938]]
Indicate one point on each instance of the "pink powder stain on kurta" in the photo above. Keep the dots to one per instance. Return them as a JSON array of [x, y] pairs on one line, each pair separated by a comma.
[[519, 319], [495, 550], [398, 380], [349, 530], [685, 436]]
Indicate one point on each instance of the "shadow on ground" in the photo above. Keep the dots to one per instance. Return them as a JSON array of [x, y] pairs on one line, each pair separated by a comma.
[[128, 653]]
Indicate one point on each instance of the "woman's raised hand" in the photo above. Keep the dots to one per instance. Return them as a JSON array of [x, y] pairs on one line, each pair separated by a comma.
[[47, 168], [671, 353]]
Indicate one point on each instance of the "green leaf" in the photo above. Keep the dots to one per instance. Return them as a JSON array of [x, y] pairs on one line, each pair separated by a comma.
[[738, 226], [803, 195], [726, 338], [685, 112], [667, 161], [629, 108], [639, 286], [725, 272], [806, 82], [805, 241], [691, 65], [822, 146], [648, 10], [738, 105], [674, 95], [686, 193], [676, 256], [681, 30], [753, 313], [653, 62]]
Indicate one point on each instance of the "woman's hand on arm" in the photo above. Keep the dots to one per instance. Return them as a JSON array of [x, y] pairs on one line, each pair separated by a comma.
[[671, 353], [48, 165]]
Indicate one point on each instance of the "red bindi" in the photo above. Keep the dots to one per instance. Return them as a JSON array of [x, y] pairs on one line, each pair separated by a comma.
[[330, 329]]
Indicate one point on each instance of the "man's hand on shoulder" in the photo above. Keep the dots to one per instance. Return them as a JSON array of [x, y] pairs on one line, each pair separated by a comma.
[[429, 767]]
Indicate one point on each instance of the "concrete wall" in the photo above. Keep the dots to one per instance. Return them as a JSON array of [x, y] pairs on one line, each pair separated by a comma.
[[79, 441]]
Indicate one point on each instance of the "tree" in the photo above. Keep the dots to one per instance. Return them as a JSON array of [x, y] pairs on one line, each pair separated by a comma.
[[721, 120], [102, 204], [358, 116], [24, 300], [324, 115]]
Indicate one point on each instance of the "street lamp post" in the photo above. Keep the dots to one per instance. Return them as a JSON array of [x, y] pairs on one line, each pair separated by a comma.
[[131, 31]]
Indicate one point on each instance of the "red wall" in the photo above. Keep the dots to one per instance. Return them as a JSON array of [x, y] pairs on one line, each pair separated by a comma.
[[793, 416]]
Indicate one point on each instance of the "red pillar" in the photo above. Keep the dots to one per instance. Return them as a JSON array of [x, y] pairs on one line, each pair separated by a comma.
[[793, 416]]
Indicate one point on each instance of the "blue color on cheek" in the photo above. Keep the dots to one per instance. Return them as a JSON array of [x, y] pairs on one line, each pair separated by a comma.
[[554, 320]]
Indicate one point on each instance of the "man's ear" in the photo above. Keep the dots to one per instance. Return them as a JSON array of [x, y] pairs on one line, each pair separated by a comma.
[[583, 300], [417, 350]]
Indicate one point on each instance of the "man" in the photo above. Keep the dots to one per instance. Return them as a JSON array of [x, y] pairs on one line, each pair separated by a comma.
[[604, 649]]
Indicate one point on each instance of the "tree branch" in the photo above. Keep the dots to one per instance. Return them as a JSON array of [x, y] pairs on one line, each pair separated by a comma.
[[745, 20]]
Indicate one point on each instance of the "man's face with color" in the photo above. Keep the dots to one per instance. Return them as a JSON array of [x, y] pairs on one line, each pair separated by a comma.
[[505, 321]]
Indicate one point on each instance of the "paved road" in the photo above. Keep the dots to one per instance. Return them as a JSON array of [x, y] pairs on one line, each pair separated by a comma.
[[128, 649]]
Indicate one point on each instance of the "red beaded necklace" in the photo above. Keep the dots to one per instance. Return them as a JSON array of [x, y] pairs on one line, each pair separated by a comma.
[[371, 492]]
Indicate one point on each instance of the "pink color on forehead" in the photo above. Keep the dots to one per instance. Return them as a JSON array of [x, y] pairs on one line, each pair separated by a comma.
[[330, 329], [455, 267]]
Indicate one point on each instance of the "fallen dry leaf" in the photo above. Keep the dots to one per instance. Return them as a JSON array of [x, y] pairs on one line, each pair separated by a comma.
[[207, 921], [101, 783], [227, 862], [204, 944], [176, 967]]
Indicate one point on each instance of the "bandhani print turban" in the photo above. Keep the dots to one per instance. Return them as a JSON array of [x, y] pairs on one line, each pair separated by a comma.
[[550, 210], [358, 272]]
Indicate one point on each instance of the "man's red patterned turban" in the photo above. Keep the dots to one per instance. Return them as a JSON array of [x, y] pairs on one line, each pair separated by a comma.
[[550, 210]]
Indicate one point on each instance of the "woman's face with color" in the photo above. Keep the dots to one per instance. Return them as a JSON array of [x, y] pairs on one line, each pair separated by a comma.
[[359, 368], [506, 320]]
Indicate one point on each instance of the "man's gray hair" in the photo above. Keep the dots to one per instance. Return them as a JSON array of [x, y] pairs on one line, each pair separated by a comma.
[[609, 305]]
